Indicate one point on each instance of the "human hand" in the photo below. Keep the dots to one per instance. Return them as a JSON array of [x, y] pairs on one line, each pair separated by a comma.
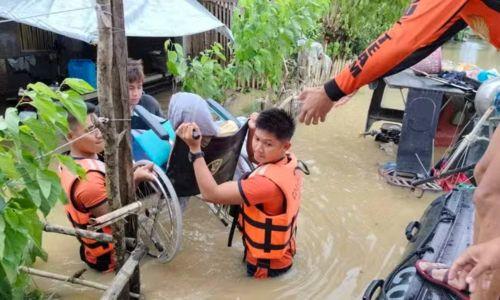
[[315, 105], [478, 262], [186, 131], [144, 173], [251, 120]]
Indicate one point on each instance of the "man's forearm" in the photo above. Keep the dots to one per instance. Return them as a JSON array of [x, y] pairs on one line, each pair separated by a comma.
[[206, 181]]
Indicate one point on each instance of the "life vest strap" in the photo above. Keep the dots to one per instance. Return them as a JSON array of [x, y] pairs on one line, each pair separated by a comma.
[[267, 248], [236, 215], [264, 226]]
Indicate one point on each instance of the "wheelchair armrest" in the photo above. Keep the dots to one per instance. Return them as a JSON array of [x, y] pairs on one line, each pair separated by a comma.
[[221, 111], [152, 122]]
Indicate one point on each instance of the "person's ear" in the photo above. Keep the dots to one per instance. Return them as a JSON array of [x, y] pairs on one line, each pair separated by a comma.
[[287, 145]]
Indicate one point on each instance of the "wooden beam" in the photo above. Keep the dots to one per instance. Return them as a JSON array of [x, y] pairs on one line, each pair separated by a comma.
[[68, 279], [101, 237], [126, 272]]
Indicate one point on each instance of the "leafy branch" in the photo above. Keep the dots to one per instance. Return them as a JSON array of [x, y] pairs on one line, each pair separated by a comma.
[[28, 183]]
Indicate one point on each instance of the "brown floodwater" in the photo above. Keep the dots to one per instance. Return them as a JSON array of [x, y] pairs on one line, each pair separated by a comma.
[[350, 226]]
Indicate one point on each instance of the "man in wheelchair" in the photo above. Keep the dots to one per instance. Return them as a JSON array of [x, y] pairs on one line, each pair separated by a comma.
[[87, 197], [269, 197]]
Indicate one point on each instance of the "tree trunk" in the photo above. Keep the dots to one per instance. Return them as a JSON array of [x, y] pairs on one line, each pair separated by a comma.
[[113, 100]]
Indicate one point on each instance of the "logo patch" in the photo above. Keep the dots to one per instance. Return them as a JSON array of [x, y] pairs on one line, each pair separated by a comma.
[[479, 25], [215, 165]]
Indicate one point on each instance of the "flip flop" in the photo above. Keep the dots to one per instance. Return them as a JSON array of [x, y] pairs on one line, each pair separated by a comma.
[[427, 275]]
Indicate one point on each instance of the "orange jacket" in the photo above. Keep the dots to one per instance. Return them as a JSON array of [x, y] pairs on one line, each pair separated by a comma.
[[426, 25], [269, 237], [79, 216]]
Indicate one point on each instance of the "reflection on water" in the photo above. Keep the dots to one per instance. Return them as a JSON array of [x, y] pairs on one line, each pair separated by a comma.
[[474, 51], [351, 227]]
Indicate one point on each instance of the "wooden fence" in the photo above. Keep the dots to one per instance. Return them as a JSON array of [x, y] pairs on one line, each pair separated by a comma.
[[223, 10]]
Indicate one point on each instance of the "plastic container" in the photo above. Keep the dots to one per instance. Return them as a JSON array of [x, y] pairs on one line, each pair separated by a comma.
[[84, 69]]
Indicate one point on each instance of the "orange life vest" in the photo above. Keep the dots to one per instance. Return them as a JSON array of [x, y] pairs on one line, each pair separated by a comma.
[[97, 254], [269, 237]]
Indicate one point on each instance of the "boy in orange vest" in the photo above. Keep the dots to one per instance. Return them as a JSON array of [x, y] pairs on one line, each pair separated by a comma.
[[269, 197], [87, 198]]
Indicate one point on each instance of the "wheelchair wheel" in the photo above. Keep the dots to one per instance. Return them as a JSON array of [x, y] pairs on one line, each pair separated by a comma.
[[160, 225]]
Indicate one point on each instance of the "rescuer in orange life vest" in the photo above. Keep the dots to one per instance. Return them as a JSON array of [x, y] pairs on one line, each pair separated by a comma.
[[269, 197], [426, 25], [87, 197]]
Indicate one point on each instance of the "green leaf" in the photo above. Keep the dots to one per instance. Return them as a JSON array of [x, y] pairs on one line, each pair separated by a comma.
[[5, 286], [12, 120], [42, 89], [70, 163], [41, 134], [179, 50], [3, 123], [34, 193], [75, 105], [2, 236], [44, 183], [78, 85], [45, 107], [7, 166], [172, 68]]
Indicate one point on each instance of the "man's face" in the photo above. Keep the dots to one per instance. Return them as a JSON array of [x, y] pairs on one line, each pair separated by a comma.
[[90, 138], [134, 92], [267, 148]]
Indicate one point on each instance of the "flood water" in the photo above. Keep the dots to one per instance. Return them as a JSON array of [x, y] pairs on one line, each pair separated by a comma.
[[350, 227]]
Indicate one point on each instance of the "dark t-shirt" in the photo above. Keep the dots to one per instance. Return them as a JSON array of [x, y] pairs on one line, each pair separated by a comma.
[[151, 105]]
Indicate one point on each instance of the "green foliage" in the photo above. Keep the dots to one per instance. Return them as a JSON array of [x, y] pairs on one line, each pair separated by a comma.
[[28, 185], [353, 24], [266, 34], [203, 75]]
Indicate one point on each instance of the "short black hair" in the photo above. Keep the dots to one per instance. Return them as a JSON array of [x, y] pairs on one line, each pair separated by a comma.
[[276, 121], [72, 121]]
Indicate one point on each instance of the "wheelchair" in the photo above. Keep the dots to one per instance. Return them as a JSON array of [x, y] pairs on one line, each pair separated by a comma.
[[154, 140]]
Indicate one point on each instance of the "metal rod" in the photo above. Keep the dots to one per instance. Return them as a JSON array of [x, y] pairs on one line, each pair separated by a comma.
[[468, 139]]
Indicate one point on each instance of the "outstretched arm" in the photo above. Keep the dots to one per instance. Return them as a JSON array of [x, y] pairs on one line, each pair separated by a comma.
[[426, 25]]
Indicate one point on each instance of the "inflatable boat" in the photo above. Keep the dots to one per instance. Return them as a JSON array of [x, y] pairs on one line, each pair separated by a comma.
[[442, 233]]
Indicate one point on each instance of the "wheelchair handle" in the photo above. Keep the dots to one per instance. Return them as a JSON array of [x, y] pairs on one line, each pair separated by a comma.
[[412, 230], [153, 123], [196, 135], [372, 288]]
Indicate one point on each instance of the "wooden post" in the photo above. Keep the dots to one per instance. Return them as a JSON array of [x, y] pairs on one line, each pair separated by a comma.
[[113, 100]]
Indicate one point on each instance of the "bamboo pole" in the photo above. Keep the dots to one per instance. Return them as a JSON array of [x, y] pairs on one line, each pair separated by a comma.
[[126, 272], [69, 279], [101, 237]]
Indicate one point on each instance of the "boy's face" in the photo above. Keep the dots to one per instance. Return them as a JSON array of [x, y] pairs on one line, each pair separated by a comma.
[[92, 143], [134, 92], [267, 148]]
